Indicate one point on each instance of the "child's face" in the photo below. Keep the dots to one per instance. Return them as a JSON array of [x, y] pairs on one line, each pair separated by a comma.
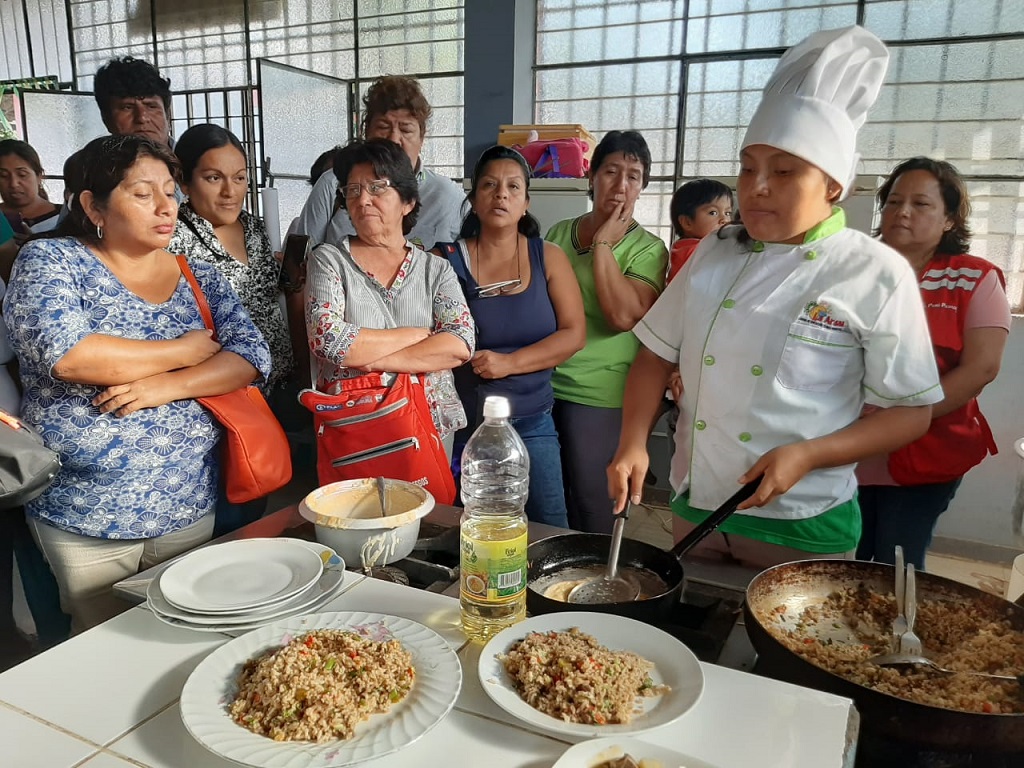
[[707, 218]]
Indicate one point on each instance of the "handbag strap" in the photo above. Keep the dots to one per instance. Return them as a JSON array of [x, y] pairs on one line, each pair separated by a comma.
[[556, 166], [204, 307]]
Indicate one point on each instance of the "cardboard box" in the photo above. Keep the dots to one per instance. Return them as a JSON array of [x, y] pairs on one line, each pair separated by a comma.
[[510, 135]]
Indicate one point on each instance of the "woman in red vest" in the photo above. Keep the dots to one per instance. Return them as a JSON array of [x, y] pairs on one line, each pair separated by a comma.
[[925, 206]]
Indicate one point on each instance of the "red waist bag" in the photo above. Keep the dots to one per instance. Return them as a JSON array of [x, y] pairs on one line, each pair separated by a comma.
[[953, 444], [558, 158], [374, 429]]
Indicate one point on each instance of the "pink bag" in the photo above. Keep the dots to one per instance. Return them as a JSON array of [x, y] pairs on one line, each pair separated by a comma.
[[557, 158]]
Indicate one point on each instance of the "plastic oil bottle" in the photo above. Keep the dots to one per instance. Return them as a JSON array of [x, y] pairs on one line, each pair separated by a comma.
[[495, 483]]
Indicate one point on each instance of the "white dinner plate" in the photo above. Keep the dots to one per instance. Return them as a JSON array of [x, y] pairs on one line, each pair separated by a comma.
[[211, 688], [240, 575], [593, 752], [333, 575], [237, 626], [674, 666]]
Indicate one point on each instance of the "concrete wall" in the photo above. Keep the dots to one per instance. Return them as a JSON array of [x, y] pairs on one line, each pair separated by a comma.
[[989, 502]]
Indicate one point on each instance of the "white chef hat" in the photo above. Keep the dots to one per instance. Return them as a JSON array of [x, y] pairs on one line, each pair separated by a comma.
[[818, 98]]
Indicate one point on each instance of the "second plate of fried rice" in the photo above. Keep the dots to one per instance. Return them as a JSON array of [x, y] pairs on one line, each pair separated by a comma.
[[552, 673]]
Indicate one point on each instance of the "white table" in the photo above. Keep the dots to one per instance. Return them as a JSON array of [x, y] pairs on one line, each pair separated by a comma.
[[108, 698]]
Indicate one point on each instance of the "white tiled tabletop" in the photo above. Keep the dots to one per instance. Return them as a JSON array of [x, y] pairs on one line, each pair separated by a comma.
[[106, 760], [28, 743], [109, 699]]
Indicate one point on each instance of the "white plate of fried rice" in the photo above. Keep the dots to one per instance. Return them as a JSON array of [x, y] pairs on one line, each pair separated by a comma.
[[212, 689], [567, 688]]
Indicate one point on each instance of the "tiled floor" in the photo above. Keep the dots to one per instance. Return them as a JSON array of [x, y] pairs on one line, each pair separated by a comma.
[[653, 524]]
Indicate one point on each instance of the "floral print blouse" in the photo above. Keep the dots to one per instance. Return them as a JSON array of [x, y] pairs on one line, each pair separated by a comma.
[[342, 298], [133, 477], [256, 283]]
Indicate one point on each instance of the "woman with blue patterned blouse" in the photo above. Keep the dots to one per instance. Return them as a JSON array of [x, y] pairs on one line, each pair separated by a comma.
[[113, 352]]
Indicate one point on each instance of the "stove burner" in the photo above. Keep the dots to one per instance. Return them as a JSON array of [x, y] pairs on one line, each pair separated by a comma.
[[876, 752], [387, 573], [704, 619]]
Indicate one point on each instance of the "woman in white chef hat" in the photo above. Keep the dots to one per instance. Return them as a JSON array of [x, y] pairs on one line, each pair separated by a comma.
[[782, 328]]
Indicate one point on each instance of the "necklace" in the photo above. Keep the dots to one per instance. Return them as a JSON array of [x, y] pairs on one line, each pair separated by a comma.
[[501, 287]]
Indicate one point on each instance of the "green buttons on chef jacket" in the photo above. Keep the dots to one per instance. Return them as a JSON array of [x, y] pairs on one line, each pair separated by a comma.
[[758, 247], [811, 256], [709, 360], [700, 425], [728, 304], [757, 370], [744, 437]]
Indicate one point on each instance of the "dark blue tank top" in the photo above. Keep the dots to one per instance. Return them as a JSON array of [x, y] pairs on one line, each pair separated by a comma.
[[505, 324]]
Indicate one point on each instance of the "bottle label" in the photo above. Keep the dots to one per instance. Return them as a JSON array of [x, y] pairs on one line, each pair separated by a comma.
[[494, 571]]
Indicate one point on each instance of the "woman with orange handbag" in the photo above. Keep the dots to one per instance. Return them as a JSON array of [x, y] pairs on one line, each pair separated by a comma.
[[113, 353], [213, 226], [387, 322]]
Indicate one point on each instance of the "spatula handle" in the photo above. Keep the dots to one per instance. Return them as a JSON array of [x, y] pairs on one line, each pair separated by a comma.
[[715, 519]]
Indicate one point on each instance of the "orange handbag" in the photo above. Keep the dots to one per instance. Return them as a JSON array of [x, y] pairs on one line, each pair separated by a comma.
[[256, 458]]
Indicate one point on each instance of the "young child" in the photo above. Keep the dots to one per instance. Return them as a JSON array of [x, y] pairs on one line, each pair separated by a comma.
[[783, 328], [698, 208]]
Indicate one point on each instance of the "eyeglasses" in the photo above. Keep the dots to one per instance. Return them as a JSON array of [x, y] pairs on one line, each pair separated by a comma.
[[499, 288], [375, 188]]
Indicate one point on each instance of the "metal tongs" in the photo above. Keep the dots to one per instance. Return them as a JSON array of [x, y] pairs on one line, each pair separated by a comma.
[[906, 644], [899, 623]]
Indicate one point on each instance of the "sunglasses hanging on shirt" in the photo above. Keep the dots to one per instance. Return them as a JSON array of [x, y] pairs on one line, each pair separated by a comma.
[[501, 287]]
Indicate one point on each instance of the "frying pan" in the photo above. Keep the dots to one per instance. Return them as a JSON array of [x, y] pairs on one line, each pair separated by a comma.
[[549, 558], [796, 585]]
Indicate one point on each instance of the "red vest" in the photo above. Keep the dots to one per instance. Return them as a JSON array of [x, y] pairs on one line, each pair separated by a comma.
[[961, 439]]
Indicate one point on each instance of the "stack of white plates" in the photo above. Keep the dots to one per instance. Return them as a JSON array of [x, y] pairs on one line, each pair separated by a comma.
[[242, 585]]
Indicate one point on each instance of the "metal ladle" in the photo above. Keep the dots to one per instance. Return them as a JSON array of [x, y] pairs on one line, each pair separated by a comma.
[[609, 587]]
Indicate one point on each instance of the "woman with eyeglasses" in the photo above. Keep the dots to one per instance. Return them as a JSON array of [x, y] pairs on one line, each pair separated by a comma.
[[377, 302], [620, 267], [529, 317]]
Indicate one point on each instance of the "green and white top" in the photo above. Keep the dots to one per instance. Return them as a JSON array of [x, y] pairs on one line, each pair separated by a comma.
[[596, 375]]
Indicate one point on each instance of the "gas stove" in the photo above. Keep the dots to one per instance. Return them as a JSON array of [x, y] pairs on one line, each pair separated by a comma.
[[708, 619]]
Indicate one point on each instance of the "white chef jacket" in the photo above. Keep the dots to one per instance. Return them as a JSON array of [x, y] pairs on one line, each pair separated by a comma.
[[778, 343]]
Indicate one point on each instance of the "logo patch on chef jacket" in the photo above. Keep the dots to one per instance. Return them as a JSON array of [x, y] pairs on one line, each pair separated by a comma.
[[819, 313]]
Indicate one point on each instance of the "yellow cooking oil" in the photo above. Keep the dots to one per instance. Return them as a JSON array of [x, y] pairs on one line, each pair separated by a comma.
[[493, 572]]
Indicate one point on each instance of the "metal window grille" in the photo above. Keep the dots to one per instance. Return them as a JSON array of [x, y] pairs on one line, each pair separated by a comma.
[[688, 75], [209, 51]]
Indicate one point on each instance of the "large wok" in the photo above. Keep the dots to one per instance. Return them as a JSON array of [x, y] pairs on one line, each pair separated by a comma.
[[796, 585], [570, 554]]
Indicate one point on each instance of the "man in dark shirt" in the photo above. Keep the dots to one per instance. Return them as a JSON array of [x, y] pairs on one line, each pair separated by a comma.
[[134, 99]]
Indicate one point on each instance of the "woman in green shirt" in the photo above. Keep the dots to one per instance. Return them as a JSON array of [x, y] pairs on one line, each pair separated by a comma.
[[620, 267]]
